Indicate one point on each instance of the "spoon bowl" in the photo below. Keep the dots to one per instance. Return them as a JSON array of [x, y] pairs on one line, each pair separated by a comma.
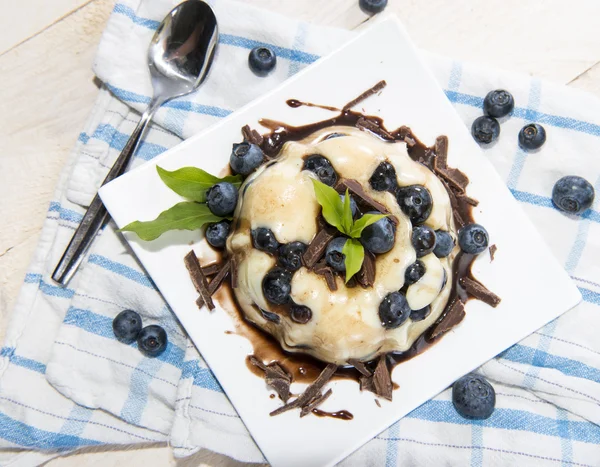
[[182, 49], [179, 58]]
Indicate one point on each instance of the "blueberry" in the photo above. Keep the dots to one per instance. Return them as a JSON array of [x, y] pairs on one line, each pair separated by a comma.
[[485, 129], [414, 272], [270, 316], [393, 310], [264, 240], [378, 238], [334, 256], [420, 315], [290, 255], [473, 397], [262, 60], [498, 103], [532, 137], [277, 286], [334, 135], [217, 233], [573, 194], [353, 206], [473, 239], [245, 157], [372, 6], [415, 201], [127, 326], [152, 340], [322, 168], [384, 177], [423, 239], [222, 198], [300, 314], [444, 244]]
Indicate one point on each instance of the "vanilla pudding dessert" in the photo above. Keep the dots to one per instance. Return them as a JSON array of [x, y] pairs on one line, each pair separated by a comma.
[[278, 219]]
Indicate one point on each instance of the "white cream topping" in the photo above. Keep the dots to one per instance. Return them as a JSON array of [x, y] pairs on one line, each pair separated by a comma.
[[345, 323]]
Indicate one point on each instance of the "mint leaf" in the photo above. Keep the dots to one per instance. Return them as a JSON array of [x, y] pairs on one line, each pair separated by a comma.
[[328, 198], [347, 213], [183, 216], [193, 183], [365, 221], [355, 254]]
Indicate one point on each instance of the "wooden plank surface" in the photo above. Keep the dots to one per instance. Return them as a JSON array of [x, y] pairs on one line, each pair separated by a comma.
[[46, 52], [22, 19]]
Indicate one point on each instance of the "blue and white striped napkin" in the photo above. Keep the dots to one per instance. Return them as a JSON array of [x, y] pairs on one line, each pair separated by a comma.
[[65, 383]]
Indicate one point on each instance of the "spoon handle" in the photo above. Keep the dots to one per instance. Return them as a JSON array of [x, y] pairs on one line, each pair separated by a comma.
[[96, 215]]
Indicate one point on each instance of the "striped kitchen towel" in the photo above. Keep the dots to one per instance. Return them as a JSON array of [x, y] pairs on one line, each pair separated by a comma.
[[65, 383]]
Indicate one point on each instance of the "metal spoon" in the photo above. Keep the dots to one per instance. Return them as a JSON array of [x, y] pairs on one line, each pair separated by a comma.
[[179, 57]]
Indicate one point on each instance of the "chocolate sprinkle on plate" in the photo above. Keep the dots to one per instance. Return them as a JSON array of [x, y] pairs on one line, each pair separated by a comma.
[[311, 391], [369, 125], [198, 279], [454, 177], [453, 315], [441, 152], [368, 93], [361, 367], [493, 249], [382, 379], [211, 269], [479, 291], [219, 278], [279, 379], [252, 136], [314, 403]]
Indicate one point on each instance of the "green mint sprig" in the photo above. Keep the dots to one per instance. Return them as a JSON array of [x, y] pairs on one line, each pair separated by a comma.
[[339, 215], [192, 183]]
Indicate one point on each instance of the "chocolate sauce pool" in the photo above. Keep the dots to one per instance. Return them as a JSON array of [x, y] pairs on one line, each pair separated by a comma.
[[305, 368]]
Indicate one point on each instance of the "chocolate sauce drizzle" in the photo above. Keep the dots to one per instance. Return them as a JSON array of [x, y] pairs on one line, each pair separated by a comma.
[[304, 368]]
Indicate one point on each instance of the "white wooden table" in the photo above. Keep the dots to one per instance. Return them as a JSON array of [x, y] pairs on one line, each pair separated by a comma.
[[47, 90]]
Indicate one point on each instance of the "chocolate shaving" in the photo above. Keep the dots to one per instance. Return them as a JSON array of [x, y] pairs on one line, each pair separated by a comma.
[[198, 279], [479, 291], [454, 177], [366, 383], [252, 136], [311, 391], [279, 379], [372, 126], [368, 93], [322, 269], [233, 270], [358, 190], [218, 279], [377, 402], [458, 220], [211, 269], [441, 152], [316, 402], [366, 274], [468, 200], [453, 315], [360, 366], [258, 363], [317, 247], [382, 379], [493, 249]]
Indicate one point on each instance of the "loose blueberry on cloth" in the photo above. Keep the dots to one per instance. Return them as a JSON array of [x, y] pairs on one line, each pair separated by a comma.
[[60, 361]]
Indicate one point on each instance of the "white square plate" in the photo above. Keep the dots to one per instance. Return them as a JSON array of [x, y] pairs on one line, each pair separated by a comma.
[[522, 273]]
